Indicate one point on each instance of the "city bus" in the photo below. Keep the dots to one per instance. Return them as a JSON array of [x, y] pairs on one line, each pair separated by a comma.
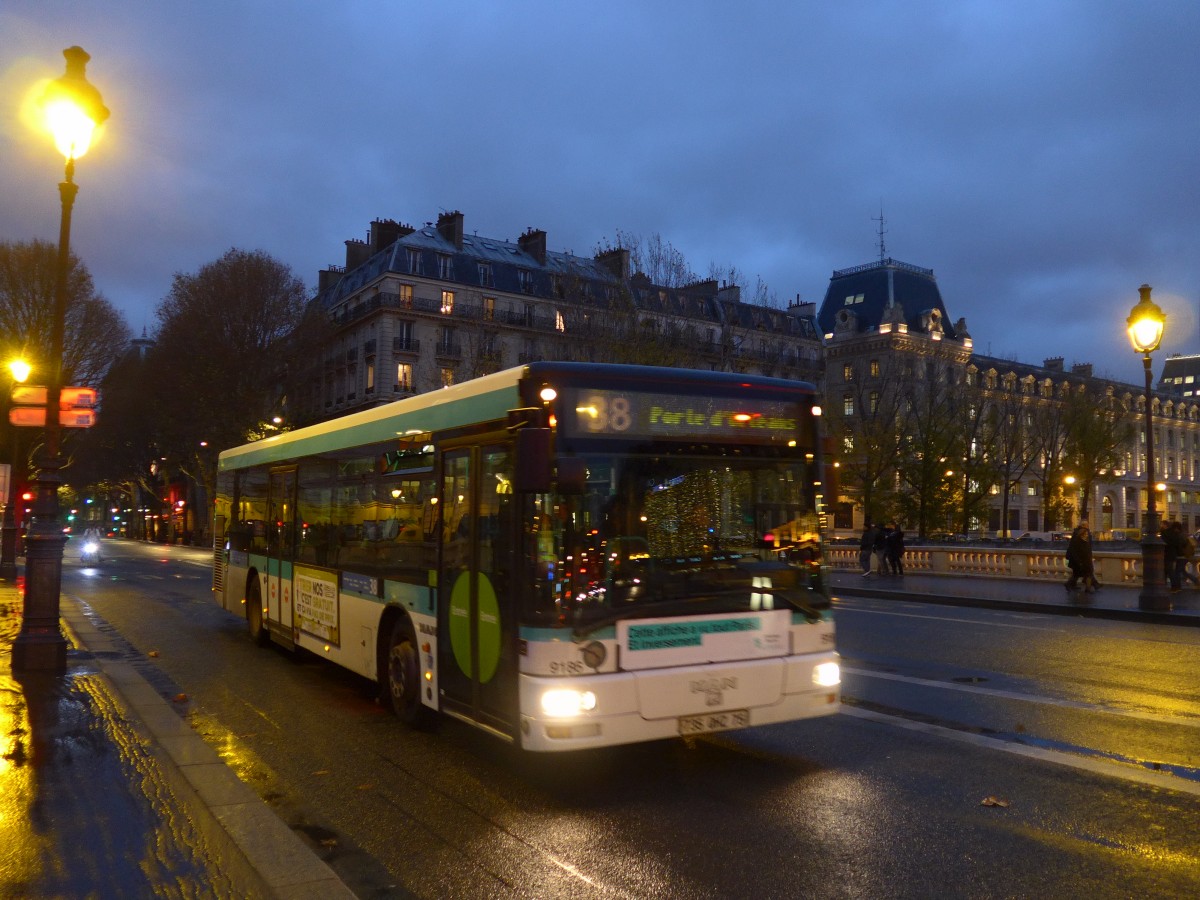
[[565, 555]]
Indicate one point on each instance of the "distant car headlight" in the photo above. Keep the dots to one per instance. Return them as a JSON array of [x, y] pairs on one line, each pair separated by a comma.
[[827, 674], [562, 703]]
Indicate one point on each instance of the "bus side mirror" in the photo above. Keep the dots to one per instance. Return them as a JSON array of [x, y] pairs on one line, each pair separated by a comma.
[[570, 475], [532, 474]]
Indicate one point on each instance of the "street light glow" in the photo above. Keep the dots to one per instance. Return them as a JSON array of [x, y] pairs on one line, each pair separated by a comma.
[[1146, 323], [71, 107]]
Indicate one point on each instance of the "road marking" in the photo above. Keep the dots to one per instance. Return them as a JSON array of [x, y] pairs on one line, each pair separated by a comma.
[[936, 618], [1096, 766], [1161, 718]]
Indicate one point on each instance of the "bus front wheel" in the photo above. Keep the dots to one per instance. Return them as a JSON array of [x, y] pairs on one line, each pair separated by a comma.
[[254, 613], [402, 675]]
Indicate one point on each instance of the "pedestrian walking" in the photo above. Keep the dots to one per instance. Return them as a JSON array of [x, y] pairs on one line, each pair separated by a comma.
[[894, 549], [880, 551], [1172, 538], [866, 548], [1079, 561], [1184, 562]]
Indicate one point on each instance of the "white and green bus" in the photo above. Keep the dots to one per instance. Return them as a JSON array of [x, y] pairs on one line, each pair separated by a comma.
[[566, 555]]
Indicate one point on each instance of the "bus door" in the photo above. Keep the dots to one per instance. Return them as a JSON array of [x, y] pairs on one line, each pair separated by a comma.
[[477, 607], [281, 546]]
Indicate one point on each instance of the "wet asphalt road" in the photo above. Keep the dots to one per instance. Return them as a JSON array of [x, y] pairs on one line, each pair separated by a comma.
[[886, 800]]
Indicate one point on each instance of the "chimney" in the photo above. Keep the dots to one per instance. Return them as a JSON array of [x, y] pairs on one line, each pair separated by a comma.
[[730, 293], [533, 242], [1084, 369], [450, 226], [1054, 364], [327, 278], [616, 261], [385, 232], [357, 253]]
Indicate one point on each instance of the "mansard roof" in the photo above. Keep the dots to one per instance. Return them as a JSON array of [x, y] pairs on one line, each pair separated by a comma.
[[507, 261], [868, 290]]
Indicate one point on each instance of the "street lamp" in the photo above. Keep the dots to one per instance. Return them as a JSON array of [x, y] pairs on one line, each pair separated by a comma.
[[1146, 322], [19, 369], [72, 109]]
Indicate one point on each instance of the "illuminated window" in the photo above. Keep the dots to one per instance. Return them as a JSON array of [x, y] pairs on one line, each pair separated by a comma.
[[406, 295], [404, 374], [489, 308], [848, 372], [848, 405], [447, 302], [874, 368], [559, 323], [370, 374], [874, 402], [447, 376]]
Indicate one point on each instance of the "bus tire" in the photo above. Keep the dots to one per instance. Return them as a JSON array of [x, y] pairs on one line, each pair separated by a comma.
[[400, 680], [254, 616]]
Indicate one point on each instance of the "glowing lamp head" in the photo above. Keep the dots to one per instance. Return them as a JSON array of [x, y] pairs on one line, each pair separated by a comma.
[[1146, 323], [72, 107], [20, 370]]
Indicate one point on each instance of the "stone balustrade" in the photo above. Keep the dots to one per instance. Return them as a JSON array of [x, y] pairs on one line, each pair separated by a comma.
[[1034, 563]]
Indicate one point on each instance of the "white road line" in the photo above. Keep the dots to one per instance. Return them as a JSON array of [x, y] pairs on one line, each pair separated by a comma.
[[937, 618], [1161, 718], [1096, 766]]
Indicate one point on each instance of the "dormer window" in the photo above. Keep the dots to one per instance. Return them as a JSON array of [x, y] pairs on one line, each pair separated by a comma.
[[854, 299], [414, 261], [525, 279], [485, 274], [445, 266]]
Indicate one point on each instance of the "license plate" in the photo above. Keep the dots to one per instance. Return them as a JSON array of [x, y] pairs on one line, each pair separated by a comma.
[[722, 721]]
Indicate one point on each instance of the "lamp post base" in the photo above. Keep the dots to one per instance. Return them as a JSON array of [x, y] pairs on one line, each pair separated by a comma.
[[40, 644], [1155, 596]]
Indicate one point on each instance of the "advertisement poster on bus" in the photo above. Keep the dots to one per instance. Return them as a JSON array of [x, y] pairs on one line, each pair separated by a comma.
[[316, 602]]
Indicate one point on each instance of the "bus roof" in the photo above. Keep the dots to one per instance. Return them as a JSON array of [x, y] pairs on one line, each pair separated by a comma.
[[479, 400]]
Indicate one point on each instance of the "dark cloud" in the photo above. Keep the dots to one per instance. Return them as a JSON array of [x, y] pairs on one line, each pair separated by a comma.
[[1038, 156]]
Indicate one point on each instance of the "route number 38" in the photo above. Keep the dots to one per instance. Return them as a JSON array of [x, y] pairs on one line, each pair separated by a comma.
[[611, 414]]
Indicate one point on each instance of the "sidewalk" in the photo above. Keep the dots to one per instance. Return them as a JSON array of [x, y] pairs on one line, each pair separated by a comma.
[[105, 789], [1110, 602]]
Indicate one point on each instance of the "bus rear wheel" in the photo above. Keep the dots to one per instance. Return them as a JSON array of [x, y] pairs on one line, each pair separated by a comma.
[[254, 614], [401, 681]]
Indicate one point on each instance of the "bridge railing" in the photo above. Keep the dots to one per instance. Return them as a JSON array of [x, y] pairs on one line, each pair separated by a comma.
[[1034, 563]]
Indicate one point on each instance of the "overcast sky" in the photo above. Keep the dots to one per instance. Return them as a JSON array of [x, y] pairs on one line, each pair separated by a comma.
[[1041, 157]]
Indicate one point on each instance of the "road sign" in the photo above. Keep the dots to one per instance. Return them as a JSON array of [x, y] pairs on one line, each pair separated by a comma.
[[68, 398], [35, 417]]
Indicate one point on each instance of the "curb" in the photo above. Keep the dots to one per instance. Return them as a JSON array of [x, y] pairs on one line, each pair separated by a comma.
[[1082, 609], [255, 844]]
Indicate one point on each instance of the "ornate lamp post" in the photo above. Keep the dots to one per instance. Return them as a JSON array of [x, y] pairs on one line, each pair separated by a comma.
[[72, 109], [8, 539], [1146, 322]]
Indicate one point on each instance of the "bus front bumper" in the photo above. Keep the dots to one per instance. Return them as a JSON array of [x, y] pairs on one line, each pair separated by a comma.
[[627, 707]]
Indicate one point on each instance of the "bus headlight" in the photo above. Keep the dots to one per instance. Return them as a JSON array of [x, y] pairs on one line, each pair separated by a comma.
[[827, 674], [562, 703]]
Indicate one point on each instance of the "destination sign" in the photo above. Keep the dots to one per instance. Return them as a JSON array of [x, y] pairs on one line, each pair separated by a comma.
[[644, 414]]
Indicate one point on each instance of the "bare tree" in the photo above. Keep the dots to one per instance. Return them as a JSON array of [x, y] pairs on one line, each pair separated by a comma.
[[95, 332], [230, 340], [1098, 428]]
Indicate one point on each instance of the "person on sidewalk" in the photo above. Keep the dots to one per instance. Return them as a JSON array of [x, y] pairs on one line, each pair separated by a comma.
[[866, 548], [1187, 554], [894, 549], [1172, 538], [1079, 561], [880, 550]]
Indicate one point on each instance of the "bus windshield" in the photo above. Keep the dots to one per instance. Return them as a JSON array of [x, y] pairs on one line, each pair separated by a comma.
[[656, 535]]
